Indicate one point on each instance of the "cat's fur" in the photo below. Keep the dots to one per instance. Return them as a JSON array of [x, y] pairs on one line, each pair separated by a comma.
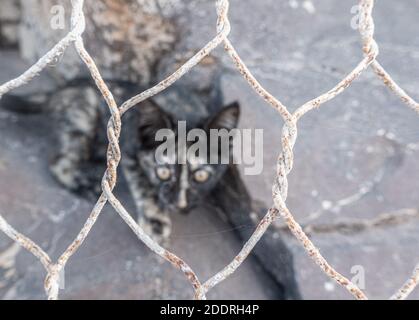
[[134, 49], [79, 163], [80, 160]]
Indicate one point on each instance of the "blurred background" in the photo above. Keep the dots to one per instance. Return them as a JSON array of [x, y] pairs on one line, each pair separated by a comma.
[[354, 185]]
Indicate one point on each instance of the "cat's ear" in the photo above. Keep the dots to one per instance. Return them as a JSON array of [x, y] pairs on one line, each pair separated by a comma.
[[151, 118], [226, 118]]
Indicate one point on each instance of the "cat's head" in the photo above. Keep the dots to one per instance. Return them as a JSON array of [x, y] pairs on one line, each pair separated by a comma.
[[182, 180]]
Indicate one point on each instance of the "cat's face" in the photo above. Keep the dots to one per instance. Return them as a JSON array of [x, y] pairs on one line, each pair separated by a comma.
[[181, 184]]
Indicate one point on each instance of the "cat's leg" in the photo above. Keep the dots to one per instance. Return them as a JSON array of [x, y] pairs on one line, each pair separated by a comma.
[[233, 201], [154, 221], [77, 114]]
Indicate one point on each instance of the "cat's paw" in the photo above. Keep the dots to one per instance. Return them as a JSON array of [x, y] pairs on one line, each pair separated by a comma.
[[70, 176], [65, 173], [158, 228]]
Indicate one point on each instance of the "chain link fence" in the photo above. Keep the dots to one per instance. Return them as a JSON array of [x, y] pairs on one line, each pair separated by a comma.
[[284, 165]]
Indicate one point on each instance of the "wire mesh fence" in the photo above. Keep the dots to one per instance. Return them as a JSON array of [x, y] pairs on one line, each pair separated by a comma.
[[284, 165]]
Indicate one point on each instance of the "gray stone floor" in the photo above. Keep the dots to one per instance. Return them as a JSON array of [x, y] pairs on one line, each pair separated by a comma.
[[355, 159]]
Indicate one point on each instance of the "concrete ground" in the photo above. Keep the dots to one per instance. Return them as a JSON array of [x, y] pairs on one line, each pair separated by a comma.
[[355, 160]]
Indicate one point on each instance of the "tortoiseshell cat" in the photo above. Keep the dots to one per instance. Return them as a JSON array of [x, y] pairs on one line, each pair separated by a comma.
[[157, 188], [133, 46], [160, 190]]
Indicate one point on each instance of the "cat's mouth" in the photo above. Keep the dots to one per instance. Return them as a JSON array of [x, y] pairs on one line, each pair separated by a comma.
[[181, 210], [186, 210]]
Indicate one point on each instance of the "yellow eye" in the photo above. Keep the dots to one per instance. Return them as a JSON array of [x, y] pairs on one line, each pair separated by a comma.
[[163, 173], [201, 176]]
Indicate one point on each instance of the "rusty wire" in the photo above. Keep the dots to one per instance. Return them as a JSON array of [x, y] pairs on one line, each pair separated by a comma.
[[284, 166]]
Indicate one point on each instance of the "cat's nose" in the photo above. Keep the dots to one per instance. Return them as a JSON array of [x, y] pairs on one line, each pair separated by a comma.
[[182, 202]]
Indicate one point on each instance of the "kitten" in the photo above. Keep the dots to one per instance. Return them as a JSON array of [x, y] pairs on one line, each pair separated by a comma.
[[158, 187]]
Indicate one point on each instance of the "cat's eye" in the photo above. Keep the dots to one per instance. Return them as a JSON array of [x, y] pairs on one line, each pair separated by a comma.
[[201, 176], [163, 173]]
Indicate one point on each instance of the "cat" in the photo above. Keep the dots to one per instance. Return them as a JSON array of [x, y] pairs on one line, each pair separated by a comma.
[[158, 188], [132, 52]]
